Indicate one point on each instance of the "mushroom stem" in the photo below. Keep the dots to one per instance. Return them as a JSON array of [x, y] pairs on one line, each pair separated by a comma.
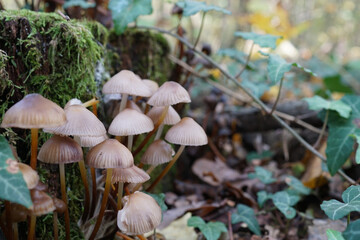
[[31, 234], [147, 108], [91, 102], [120, 193], [86, 187], [137, 187], [103, 203], [159, 132], [94, 108], [94, 187], [16, 231], [34, 146], [55, 225], [8, 218], [157, 125], [64, 198], [130, 142], [166, 169], [141, 237], [124, 98], [120, 234]]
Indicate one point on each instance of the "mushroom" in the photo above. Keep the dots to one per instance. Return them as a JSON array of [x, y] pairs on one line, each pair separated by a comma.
[[34, 112], [171, 118], [185, 133]]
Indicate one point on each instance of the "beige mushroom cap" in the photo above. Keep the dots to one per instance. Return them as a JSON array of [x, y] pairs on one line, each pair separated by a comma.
[[187, 132], [80, 122], [152, 85], [130, 122], [169, 93], [171, 118], [126, 82], [34, 111], [43, 203], [141, 214], [90, 141], [109, 154], [131, 175], [60, 149], [30, 175], [158, 152]]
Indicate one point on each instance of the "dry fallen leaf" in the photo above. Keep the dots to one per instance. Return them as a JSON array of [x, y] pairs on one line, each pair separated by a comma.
[[178, 230]]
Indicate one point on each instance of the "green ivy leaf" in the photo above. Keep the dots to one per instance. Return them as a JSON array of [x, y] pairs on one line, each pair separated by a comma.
[[264, 175], [247, 215], [334, 235], [126, 11], [318, 103], [80, 3], [304, 69], [284, 201], [211, 230], [257, 89], [262, 196], [193, 7], [263, 40], [236, 55], [352, 231], [336, 210], [277, 67], [297, 185], [340, 141], [12, 185]]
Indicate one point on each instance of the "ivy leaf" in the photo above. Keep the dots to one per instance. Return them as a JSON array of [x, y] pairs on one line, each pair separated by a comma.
[[297, 185], [126, 11], [318, 103], [304, 69], [247, 215], [262, 196], [211, 230], [352, 231], [263, 40], [335, 209], [80, 3], [334, 235], [193, 7], [12, 184], [277, 67], [257, 89], [264, 175], [340, 141], [284, 201]]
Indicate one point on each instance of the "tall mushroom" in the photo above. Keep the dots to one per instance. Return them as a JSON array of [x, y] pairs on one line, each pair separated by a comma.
[[34, 112]]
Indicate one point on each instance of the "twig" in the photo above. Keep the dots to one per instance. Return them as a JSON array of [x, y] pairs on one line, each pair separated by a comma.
[[230, 231], [215, 150], [201, 28], [250, 94], [247, 61], [67, 18], [277, 97], [120, 234], [322, 129]]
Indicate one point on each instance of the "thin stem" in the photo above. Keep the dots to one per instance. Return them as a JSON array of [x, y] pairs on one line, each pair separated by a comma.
[[148, 136], [34, 146], [103, 203], [318, 141], [91, 102], [124, 98], [86, 187], [64, 198], [141, 237], [147, 108], [230, 231], [159, 132], [94, 109], [166, 169], [118, 138], [8, 218], [277, 97], [120, 193], [31, 234], [16, 231], [348, 219], [200, 31], [120, 234], [137, 187], [130, 142], [247, 61], [55, 225], [251, 95]]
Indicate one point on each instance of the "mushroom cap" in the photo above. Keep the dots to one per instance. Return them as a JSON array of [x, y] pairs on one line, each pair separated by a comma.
[[90, 141], [18, 213], [131, 175], [169, 93], [59, 205], [158, 152], [171, 118], [130, 122], [80, 122], [152, 85], [73, 101], [187, 132], [34, 111], [126, 82], [43, 203], [60, 149], [41, 187], [140, 214], [30, 175], [109, 154], [131, 105]]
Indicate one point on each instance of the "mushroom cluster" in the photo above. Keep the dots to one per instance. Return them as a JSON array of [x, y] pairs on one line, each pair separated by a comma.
[[144, 109]]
